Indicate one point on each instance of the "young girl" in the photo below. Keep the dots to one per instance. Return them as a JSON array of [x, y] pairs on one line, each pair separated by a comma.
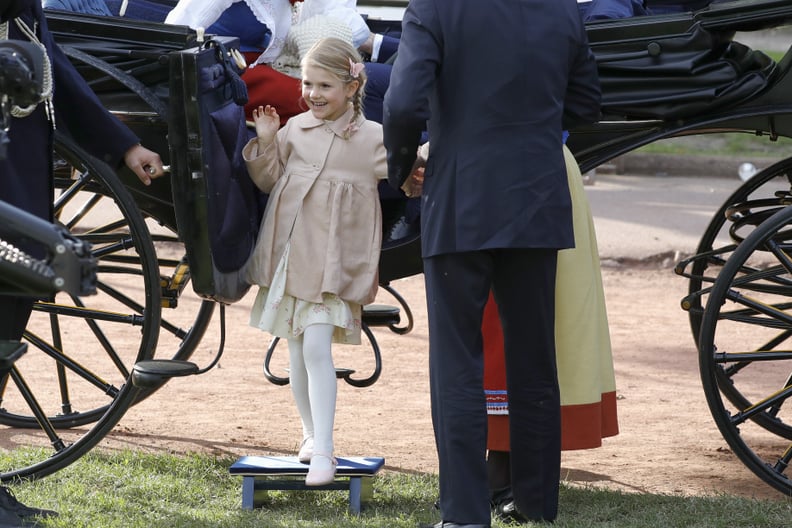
[[317, 255]]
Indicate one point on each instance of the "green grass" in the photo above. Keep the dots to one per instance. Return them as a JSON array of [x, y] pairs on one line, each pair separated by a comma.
[[775, 55], [131, 489], [733, 144]]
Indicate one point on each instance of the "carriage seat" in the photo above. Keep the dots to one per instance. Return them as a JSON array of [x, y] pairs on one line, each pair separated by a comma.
[[685, 64]]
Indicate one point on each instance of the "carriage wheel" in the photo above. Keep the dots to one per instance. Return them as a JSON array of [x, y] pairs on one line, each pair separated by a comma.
[[745, 349], [717, 243], [81, 349], [752, 203]]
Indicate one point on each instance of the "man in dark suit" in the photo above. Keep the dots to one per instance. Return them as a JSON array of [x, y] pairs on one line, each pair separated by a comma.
[[497, 81]]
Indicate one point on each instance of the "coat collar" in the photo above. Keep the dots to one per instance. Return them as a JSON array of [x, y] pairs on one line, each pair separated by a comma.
[[338, 126]]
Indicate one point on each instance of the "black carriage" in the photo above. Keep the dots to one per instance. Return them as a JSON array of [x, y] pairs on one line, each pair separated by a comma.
[[168, 255]]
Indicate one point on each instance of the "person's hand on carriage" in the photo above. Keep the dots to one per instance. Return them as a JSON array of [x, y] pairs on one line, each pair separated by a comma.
[[145, 163]]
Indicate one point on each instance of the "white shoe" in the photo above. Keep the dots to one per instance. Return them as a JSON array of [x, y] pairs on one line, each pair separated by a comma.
[[306, 450], [318, 473]]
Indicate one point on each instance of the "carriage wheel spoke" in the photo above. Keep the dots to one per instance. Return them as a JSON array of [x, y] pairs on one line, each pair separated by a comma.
[[778, 317], [38, 412], [774, 400], [83, 211], [782, 463], [105, 342], [83, 312], [68, 191], [779, 250], [63, 383], [67, 362]]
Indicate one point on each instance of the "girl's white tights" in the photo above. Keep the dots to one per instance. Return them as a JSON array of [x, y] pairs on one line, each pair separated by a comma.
[[313, 383]]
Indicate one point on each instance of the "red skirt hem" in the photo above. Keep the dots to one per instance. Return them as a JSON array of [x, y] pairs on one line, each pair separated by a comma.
[[582, 426]]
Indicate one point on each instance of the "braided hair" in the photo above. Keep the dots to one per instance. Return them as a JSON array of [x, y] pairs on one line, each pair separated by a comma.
[[334, 55]]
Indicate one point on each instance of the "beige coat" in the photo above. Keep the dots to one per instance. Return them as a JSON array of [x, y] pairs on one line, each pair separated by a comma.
[[324, 186]]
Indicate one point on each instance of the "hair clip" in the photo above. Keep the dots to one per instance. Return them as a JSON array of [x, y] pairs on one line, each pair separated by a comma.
[[355, 68]]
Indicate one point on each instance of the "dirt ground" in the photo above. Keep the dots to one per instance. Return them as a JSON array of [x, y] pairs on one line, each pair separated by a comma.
[[668, 442]]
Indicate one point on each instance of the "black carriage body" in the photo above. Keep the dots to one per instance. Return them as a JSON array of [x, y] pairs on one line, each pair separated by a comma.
[[218, 208], [683, 74], [127, 63], [176, 94], [154, 62]]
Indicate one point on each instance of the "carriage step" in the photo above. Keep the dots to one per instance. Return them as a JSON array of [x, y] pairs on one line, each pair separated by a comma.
[[264, 473], [381, 315], [10, 351], [152, 373], [343, 373], [173, 286]]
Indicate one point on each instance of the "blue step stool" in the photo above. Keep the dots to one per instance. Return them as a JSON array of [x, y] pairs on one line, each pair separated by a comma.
[[264, 473]]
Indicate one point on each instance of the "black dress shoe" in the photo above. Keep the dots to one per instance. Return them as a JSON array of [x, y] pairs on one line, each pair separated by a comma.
[[499, 496], [28, 514], [506, 511], [9, 519]]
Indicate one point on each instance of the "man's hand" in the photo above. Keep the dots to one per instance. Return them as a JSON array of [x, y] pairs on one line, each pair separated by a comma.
[[146, 164], [413, 185]]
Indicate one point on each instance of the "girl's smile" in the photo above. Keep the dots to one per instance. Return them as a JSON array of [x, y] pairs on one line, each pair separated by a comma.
[[326, 95]]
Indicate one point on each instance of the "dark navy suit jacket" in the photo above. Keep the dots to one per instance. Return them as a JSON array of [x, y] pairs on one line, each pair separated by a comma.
[[500, 80]]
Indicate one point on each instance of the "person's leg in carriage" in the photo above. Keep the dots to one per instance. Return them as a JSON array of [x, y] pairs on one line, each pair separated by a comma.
[[607, 9]]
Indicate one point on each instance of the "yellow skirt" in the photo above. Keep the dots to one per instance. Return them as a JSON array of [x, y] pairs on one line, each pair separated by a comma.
[[287, 317]]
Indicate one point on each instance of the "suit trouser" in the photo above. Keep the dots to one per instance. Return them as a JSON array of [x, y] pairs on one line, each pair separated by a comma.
[[457, 288]]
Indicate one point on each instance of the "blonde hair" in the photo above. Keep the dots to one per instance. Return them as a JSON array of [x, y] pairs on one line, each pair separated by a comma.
[[333, 54]]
